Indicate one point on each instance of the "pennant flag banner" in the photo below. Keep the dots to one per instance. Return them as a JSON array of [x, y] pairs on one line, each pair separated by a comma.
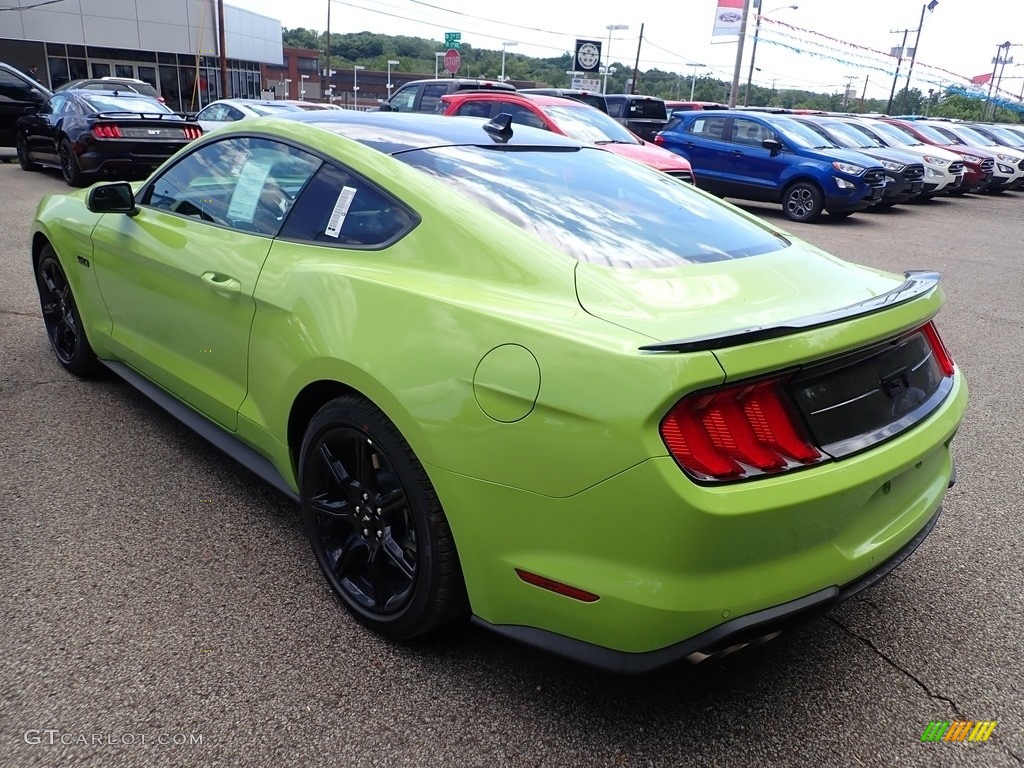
[[728, 16], [981, 79]]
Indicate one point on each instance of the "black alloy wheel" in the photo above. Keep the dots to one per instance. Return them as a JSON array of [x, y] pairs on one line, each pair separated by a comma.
[[375, 523], [21, 147], [69, 166], [61, 318]]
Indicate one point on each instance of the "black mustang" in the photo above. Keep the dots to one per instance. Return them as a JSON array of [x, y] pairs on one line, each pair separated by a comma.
[[101, 134]]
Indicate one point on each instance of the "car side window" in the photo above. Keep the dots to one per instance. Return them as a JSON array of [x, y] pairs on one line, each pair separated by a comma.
[[709, 127], [13, 88], [232, 114], [746, 131], [247, 184], [57, 104], [475, 109], [341, 209], [404, 99], [615, 107], [432, 93], [522, 115]]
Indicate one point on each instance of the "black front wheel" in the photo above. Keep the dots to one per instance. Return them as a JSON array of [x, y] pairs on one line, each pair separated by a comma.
[[803, 201], [21, 147], [61, 318], [375, 523]]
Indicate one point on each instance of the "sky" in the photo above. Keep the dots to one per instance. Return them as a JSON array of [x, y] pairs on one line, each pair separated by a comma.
[[820, 46]]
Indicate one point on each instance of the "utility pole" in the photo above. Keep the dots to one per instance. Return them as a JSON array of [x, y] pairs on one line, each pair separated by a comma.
[[899, 62], [636, 66], [992, 80], [846, 90], [223, 52], [913, 58], [864, 93], [734, 91]]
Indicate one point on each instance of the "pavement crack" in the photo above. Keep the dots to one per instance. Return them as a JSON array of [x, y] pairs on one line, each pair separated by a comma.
[[20, 314], [906, 672]]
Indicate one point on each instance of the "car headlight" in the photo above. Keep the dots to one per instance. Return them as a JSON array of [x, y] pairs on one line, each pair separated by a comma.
[[936, 161], [973, 160], [1008, 158], [889, 165], [850, 168]]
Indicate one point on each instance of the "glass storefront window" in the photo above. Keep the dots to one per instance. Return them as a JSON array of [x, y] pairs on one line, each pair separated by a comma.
[[99, 69], [124, 70], [78, 69], [148, 75], [58, 72]]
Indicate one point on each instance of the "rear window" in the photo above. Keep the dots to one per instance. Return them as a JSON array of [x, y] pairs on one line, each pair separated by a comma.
[[597, 207], [646, 109], [111, 103]]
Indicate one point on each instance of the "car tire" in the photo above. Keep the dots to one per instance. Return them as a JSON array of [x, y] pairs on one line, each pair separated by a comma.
[[23, 160], [375, 523], [803, 201], [61, 318], [69, 166]]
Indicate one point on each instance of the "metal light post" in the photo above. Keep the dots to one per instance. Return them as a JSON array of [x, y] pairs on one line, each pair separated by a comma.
[[355, 84], [734, 90], [287, 87], [391, 63], [438, 55], [693, 77], [608, 51], [505, 44], [913, 55], [330, 85], [302, 87], [753, 50]]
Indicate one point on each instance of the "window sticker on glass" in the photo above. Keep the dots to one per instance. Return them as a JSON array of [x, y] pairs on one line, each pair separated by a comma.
[[340, 211], [247, 191], [236, 168]]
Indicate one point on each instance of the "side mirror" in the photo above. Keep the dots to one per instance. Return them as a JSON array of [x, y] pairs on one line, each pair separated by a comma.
[[36, 95], [113, 197], [385, 107], [772, 145], [32, 110]]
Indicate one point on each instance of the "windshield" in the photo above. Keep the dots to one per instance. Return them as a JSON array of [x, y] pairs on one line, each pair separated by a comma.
[[899, 135], [597, 207], [1005, 137], [972, 137], [854, 134], [588, 124], [111, 103], [273, 109], [803, 136], [936, 136]]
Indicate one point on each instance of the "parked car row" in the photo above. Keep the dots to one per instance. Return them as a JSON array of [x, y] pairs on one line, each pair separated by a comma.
[[841, 163]]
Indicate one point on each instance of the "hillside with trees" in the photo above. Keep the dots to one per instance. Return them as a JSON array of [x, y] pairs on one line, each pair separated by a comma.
[[416, 55]]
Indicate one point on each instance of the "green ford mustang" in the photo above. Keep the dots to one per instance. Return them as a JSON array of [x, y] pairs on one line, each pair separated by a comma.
[[513, 377]]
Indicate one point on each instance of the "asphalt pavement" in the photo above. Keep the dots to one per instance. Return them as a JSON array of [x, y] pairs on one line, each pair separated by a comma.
[[159, 606]]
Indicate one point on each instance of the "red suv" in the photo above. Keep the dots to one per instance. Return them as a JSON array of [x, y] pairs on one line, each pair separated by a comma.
[[567, 117]]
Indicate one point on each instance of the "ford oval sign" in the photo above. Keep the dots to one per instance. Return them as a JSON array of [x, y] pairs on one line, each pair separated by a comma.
[[730, 17]]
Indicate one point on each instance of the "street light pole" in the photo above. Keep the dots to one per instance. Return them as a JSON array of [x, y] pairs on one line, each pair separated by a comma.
[[302, 86], [913, 56], [391, 63], [735, 89], [355, 84], [438, 55], [693, 77], [608, 51], [753, 50], [505, 44]]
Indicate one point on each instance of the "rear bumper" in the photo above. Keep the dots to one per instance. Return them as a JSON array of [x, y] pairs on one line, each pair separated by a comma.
[[726, 637], [137, 159]]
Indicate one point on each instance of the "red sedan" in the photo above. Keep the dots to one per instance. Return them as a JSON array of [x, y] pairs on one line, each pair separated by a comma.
[[569, 118]]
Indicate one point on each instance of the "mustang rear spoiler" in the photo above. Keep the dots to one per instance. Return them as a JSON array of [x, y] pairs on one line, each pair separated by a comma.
[[146, 115], [917, 283]]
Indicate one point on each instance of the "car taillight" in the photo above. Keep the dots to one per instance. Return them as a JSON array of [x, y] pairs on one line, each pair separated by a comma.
[[193, 131], [738, 432], [107, 131], [942, 356], [658, 139]]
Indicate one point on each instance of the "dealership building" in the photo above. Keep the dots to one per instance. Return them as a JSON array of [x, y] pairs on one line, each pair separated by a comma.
[[171, 44]]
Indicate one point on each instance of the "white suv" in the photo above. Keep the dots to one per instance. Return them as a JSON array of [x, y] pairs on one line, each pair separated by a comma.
[[943, 170], [1009, 167]]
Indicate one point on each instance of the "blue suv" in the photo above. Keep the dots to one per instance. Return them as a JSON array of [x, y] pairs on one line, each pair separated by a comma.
[[773, 158]]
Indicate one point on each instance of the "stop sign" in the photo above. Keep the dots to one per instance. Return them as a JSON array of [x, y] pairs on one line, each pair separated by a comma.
[[452, 61]]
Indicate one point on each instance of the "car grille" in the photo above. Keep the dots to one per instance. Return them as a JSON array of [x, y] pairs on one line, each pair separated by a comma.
[[956, 168], [681, 175], [988, 166], [875, 178], [1020, 165], [914, 172]]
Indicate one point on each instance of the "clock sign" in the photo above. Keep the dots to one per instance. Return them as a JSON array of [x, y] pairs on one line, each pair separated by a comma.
[[588, 55]]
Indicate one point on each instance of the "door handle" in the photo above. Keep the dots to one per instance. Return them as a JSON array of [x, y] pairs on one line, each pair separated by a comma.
[[689, 145], [222, 283], [737, 153]]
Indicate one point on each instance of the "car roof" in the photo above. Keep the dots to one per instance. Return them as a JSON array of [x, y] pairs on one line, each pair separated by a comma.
[[513, 97], [92, 93], [15, 71], [632, 96], [394, 132]]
